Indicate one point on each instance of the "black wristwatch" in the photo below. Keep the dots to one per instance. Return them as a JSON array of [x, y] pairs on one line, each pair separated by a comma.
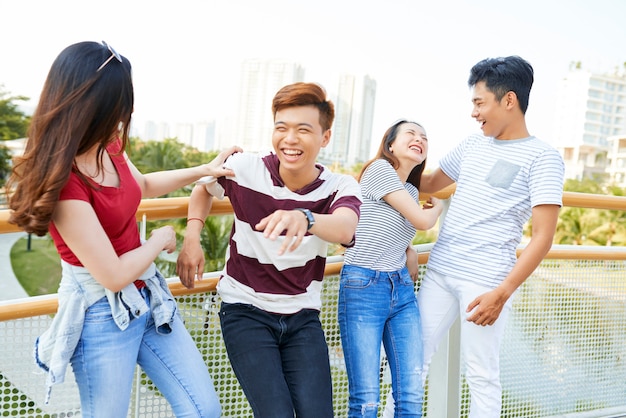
[[309, 217]]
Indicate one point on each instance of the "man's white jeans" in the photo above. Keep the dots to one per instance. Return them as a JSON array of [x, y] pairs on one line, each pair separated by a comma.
[[441, 300]]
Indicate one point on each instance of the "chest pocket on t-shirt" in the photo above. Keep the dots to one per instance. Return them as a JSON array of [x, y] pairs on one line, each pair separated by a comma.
[[502, 174]]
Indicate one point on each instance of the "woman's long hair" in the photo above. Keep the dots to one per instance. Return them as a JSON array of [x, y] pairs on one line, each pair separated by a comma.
[[81, 107], [384, 152]]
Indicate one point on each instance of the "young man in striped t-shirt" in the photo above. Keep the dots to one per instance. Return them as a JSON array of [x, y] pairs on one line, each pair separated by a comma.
[[287, 208], [503, 177]]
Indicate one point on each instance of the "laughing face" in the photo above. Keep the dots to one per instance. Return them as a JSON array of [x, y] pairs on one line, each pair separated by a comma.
[[488, 111], [297, 139], [411, 143]]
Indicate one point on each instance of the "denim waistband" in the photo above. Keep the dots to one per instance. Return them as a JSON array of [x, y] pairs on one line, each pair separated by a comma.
[[375, 273]]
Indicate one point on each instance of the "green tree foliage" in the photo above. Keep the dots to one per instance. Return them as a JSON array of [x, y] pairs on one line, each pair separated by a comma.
[[611, 228], [426, 237], [154, 156], [13, 125], [582, 226], [5, 164], [169, 154], [194, 157], [13, 122], [574, 225], [587, 185], [214, 240]]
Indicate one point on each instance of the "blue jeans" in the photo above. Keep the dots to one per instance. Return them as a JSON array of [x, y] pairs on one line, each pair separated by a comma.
[[281, 361], [374, 307], [105, 358]]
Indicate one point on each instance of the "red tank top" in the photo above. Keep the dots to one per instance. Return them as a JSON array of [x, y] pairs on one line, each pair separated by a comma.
[[115, 207]]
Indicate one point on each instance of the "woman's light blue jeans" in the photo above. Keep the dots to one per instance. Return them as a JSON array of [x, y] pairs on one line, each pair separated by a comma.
[[105, 358], [374, 307]]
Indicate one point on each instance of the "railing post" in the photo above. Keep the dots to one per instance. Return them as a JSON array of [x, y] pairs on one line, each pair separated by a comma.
[[444, 399], [135, 413], [444, 375], [137, 388]]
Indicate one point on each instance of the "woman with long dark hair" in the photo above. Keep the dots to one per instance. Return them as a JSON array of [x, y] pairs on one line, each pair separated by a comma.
[[75, 181]]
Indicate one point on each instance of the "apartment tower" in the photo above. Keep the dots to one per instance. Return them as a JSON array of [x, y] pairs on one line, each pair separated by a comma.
[[590, 108]]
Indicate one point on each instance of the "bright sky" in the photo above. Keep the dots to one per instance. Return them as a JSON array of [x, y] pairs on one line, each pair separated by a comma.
[[186, 54]]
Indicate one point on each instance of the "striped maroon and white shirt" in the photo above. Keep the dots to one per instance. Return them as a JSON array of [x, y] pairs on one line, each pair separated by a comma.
[[254, 273]]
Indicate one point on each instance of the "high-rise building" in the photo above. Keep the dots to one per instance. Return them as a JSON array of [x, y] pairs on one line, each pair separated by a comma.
[[617, 160], [204, 136], [184, 133], [156, 131], [590, 108], [253, 124], [354, 114], [259, 82]]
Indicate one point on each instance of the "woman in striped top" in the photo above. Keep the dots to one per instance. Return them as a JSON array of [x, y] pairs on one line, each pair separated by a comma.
[[376, 297]]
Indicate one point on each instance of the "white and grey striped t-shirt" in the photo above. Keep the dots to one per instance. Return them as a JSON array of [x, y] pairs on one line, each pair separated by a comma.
[[383, 234], [498, 184]]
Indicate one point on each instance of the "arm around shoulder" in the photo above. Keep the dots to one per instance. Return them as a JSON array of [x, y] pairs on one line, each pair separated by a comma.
[[434, 181]]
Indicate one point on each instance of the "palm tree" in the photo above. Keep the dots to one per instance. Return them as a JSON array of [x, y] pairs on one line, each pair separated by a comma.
[[611, 229], [581, 226], [574, 226], [13, 121], [13, 125], [568, 229], [158, 155], [214, 239]]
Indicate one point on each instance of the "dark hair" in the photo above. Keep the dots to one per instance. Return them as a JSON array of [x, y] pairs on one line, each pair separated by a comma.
[[505, 74], [385, 153], [305, 94], [80, 107]]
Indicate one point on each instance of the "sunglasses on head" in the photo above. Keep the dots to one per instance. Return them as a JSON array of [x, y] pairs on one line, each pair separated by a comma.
[[114, 54]]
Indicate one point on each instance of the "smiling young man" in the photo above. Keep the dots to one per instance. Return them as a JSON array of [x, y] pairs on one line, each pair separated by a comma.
[[503, 177], [287, 208]]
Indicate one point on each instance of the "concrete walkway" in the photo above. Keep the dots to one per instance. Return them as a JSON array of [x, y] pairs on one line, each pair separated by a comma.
[[10, 288]]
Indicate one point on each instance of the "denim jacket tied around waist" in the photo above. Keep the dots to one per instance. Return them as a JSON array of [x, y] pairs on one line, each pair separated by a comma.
[[77, 292]]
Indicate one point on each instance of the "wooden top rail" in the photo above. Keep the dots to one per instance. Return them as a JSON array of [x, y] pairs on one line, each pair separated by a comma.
[[154, 209], [48, 304], [176, 207], [594, 201]]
